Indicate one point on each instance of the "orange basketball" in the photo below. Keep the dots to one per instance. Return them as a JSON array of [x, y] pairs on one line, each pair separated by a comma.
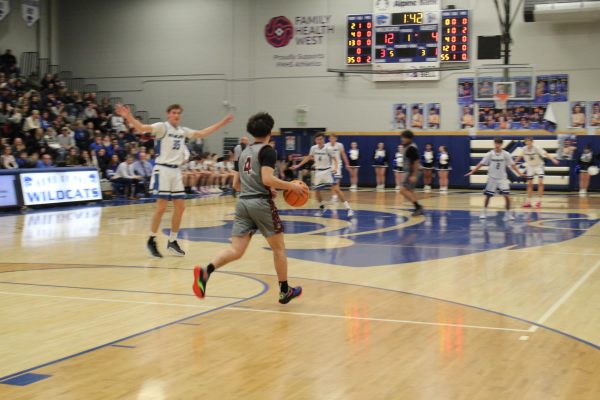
[[294, 199]]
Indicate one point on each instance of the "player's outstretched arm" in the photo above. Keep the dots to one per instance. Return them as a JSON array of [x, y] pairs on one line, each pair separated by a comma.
[[213, 128], [273, 182], [236, 181], [477, 167], [517, 171], [304, 161], [125, 112]]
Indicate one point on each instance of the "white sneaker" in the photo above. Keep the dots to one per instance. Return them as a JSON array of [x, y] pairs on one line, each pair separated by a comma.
[[427, 188], [353, 188], [397, 188], [483, 214], [320, 212], [334, 199], [380, 188], [350, 213]]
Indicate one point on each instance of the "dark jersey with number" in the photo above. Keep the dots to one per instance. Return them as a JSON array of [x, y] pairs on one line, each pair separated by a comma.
[[252, 159]]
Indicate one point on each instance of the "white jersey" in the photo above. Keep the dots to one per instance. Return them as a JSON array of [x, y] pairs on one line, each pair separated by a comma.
[[399, 158], [170, 143], [533, 157], [337, 150], [323, 156], [497, 163]]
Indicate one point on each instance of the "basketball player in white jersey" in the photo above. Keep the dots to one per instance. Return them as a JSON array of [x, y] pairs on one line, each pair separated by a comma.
[[497, 161], [533, 157], [325, 170], [166, 182], [341, 158]]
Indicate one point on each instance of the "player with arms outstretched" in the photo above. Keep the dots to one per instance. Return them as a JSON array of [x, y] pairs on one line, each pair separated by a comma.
[[533, 157], [166, 182], [255, 209], [497, 161], [326, 166]]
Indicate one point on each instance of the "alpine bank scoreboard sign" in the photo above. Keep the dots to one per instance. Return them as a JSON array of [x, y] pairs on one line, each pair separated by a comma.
[[52, 187]]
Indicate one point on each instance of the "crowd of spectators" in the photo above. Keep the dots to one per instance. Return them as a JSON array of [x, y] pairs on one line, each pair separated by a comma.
[[43, 124]]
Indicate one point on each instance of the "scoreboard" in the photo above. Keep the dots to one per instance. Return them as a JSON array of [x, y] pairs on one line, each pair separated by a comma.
[[455, 36], [359, 39], [407, 43], [413, 37]]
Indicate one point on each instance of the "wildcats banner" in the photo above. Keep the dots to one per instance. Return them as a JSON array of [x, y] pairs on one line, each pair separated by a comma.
[[4, 8], [30, 9], [60, 187]]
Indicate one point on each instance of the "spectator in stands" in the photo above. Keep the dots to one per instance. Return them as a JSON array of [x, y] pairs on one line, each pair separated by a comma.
[[117, 150], [48, 78], [33, 121], [126, 176], [45, 162], [66, 139], [46, 120], [15, 118], [105, 106], [112, 166], [7, 160], [97, 145], [18, 147], [102, 160], [88, 160], [9, 63], [73, 159], [90, 114], [143, 168], [22, 160]]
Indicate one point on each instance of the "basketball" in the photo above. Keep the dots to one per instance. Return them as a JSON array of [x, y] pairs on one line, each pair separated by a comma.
[[294, 199], [593, 170]]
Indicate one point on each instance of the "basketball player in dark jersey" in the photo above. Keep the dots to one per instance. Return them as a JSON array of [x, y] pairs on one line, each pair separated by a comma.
[[255, 209], [411, 168]]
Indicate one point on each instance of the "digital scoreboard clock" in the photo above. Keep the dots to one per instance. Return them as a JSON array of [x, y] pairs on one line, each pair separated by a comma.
[[456, 42], [359, 40], [407, 44]]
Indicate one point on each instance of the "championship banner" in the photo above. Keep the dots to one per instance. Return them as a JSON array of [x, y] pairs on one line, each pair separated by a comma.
[[30, 9], [4, 8]]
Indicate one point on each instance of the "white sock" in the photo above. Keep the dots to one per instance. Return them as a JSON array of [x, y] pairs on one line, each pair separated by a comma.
[[172, 236], [152, 234], [347, 205]]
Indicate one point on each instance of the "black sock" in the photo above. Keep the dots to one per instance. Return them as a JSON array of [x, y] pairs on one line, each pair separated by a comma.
[[283, 287], [417, 205], [210, 268]]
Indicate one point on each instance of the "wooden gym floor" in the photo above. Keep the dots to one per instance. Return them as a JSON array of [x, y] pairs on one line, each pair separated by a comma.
[[441, 307]]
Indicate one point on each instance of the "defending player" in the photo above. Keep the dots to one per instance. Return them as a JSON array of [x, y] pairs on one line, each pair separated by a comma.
[[497, 161], [326, 168], [166, 182], [341, 159], [534, 163], [255, 209]]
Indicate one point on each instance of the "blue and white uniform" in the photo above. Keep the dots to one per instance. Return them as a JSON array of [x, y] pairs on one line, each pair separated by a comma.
[[533, 159], [337, 150], [171, 153], [324, 159], [497, 176]]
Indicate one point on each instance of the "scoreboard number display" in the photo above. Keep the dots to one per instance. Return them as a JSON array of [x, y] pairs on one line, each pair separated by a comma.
[[359, 40], [411, 37], [456, 43]]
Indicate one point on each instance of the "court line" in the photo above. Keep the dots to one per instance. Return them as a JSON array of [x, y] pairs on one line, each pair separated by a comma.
[[152, 303], [399, 321], [565, 296], [111, 290], [546, 327], [264, 290]]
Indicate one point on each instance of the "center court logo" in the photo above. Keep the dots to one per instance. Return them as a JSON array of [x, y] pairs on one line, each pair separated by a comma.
[[279, 31]]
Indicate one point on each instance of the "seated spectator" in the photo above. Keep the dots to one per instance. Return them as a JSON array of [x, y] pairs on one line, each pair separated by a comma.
[[117, 123], [112, 166], [45, 162], [66, 142], [7, 160], [143, 168], [46, 120], [105, 106], [51, 140], [47, 79], [125, 175], [90, 114], [18, 147], [73, 159], [102, 160], [87, 160], [117, 150], [21, 160], [97, 144], [33, 121]]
